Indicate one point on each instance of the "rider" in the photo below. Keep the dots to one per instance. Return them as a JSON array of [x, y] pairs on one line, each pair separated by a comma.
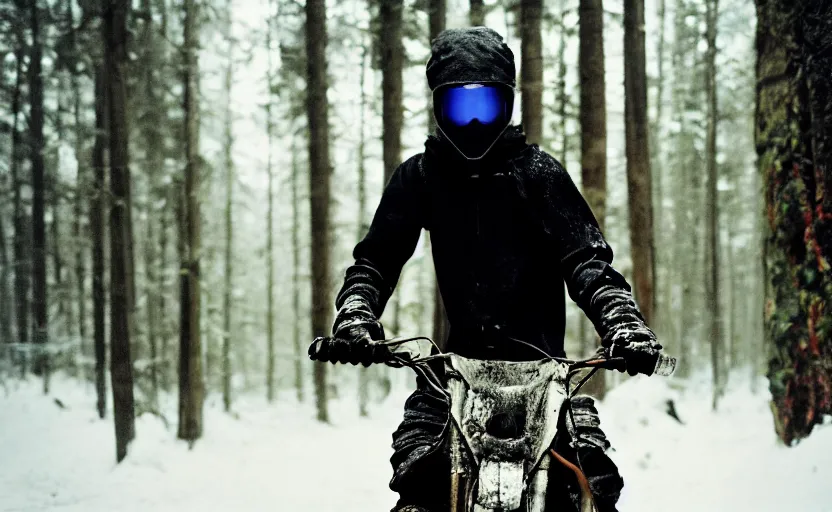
[[507, 228]]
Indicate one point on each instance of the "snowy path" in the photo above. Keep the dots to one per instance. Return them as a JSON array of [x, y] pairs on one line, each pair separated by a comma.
[[277, 459]]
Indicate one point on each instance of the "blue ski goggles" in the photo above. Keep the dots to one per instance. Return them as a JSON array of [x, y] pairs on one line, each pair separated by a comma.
[[473, 116]]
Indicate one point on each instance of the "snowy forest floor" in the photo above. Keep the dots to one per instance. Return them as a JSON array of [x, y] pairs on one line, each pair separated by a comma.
[[277, 458]]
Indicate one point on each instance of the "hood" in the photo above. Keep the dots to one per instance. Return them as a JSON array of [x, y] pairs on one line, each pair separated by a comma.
[[469, 55]]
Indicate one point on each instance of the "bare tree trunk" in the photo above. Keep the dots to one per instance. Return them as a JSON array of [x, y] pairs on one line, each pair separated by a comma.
[[36, 146], [392, 60], [441, 326], [97, 233], [229, 210], [21, 254], [270, 361], [712, 207], [5, 295], [191, 385], [121, 370], [638, 157], [81, 193], [20, 285], [531, 69], [793, 127], [155, 164], [319, 173], [296, 341], [476, 14], [363, 375], [593, 127], [663, 252]]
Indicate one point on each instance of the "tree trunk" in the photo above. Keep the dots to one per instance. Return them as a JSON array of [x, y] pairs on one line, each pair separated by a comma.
[[5, 295], [392, 60], [229, 212], [121, 370], [319, 174], [19, 313], [97, 232], [793, 127], [593, 114], [638, 157], [155, 163], [36, 146], [81, 195], [531, 69], [441, 326], [476, 14], [364, 372], [712, 207], [21, 253], [270, 360], [191, 385], [296, 340]]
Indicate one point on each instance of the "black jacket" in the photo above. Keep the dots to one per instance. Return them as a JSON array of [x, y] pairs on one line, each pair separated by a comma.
[[506, 232]]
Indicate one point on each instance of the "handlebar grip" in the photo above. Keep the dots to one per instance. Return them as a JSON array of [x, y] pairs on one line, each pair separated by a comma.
[[665, 366]]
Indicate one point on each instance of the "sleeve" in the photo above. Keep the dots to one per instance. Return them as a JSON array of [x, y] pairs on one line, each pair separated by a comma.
[[390, 241], [585, 257]]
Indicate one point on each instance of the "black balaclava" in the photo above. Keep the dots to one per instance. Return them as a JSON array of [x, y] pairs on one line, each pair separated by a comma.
[[475, 55]]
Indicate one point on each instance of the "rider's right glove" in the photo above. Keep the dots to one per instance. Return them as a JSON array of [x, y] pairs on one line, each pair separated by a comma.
[[623, 330], [354, 328]]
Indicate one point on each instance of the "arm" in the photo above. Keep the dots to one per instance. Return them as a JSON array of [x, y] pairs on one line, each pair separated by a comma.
[[369, 283], [390, 241], [598, 289]]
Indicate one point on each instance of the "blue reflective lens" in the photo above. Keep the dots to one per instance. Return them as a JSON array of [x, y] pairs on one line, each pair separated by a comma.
[[463, 104]]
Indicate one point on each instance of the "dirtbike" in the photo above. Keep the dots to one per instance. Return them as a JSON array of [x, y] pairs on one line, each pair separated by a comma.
[[504, 420]]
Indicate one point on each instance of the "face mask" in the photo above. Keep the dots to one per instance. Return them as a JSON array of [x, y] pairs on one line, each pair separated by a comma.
[[473, 116]]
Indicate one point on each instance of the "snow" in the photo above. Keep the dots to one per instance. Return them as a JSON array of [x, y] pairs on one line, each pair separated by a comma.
[[276, 457]]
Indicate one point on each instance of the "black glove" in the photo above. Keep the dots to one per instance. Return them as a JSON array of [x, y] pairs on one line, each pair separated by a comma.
[[623, 331], [354, 328]]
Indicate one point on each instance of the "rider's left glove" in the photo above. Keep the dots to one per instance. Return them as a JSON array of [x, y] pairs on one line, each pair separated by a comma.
[[623, 330], [354, 329]]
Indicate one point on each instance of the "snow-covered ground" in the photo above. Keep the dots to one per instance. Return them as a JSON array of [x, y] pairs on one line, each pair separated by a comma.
[[276, 458]]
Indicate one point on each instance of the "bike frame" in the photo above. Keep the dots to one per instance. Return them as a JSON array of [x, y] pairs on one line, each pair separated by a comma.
[[470, 473]]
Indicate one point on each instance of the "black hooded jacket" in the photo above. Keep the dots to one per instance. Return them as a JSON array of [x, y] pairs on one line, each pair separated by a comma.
[[506, 230]]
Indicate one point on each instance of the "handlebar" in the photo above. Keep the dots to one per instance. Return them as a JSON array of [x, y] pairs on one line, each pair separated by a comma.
[[421, 350]]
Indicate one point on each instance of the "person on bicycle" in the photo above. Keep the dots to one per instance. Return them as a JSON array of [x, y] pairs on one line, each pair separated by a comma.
[[508, 227]]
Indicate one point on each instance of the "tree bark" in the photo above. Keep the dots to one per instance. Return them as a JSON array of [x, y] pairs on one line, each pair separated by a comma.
[[5, 295], [97, 204], [296, 340], [441, 326], [364, 372], [392, 60], [793, 127], [593, 117], [270, 360], [36, 147], [20, 285], [712, 205], [121, 369], [476, 14], [191, 385], [153, 138], [229, 212], [319, 174], [531, 69], [21, 251], [638, 157], [81, 195]]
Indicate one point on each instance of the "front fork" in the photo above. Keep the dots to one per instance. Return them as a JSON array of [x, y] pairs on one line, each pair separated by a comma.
[[460, 472], [462, 480]]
